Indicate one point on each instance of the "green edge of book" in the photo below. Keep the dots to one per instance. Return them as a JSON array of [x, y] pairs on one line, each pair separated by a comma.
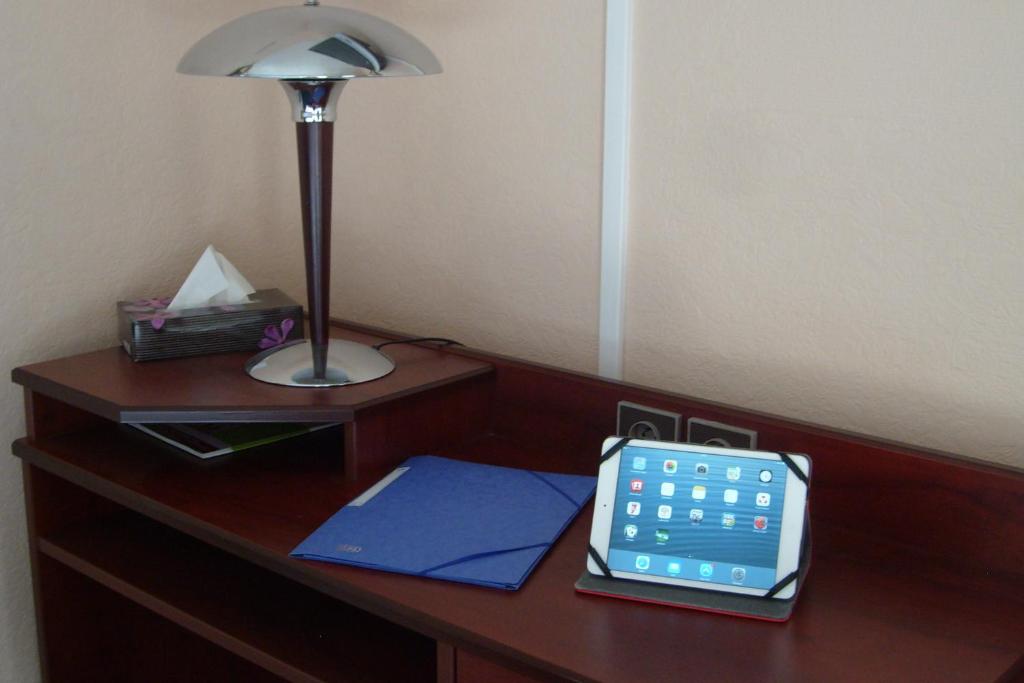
[[211, 440]]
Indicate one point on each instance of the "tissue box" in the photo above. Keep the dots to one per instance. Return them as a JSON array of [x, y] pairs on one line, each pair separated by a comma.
[[148, 331]]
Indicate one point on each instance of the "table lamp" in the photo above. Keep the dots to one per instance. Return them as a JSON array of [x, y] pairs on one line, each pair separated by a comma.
[[313, 50]]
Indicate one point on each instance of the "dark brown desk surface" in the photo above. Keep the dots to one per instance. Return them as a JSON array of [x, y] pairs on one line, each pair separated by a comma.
[[870, 611], [914, 576]]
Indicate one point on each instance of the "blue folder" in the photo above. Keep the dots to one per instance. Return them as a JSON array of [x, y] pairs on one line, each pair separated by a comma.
[[453, 520]]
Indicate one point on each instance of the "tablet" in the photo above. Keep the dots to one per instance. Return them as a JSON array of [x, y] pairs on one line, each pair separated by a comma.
[[723, 519]]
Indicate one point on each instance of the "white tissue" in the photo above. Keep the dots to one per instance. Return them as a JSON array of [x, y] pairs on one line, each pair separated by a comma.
[[212, 282]]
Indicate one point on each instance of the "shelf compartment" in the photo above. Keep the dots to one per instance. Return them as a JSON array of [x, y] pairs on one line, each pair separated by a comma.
[[106, 637], [286, 629]]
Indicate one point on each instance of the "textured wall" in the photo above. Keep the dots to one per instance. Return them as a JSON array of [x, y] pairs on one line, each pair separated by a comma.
[[828, 214], [114, 174], [468, 204]]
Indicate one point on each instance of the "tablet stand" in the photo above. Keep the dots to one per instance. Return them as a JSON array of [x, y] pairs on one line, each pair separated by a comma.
[[752, 606]]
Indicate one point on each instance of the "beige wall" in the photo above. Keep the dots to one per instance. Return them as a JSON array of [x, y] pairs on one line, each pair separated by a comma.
[[828, 214], [114, 174], [826, 201], [467, 204], [825, 212]]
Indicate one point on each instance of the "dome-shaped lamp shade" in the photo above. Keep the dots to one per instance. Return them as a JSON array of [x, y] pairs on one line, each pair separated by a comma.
[[309, 43]]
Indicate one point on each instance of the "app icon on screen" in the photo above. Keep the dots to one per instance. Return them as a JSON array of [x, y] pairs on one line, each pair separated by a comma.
[[668, 489], [707, 569], [631, 531], [732, 473], [763, 499], [765, 476], [671, 466], [632, 508], [636, 486], [730, 496], [728, 520], [674, 568], [738, 574], [699, 492], [643, 562], [760, 523], [664, 512], [701, 469], [696, 516], [639, 462], [661, 536]]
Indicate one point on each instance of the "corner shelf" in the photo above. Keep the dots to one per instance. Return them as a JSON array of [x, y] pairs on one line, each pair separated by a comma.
[[215, 388]]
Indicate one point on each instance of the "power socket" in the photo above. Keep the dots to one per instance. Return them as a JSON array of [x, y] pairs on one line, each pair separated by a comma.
[[708, 433], [643, 422]]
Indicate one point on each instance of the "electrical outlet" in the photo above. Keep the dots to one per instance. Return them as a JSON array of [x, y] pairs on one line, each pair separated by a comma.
[[642, 422], [708, 433]]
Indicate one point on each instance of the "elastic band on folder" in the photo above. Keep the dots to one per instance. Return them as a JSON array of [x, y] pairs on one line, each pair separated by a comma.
[[791, 464], [556, 489], [477, 556], [601, 564], [615, 449]]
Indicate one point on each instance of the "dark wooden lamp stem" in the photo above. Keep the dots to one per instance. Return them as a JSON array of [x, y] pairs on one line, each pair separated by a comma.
[[316, 148]]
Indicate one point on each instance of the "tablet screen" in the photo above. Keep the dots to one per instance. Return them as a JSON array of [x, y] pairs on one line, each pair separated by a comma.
[[697, 516]]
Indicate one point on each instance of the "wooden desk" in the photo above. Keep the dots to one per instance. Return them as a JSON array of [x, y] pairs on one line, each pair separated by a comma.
[[150, 565]]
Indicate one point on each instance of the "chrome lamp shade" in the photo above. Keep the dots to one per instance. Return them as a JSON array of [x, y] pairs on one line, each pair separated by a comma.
[[313, 50]]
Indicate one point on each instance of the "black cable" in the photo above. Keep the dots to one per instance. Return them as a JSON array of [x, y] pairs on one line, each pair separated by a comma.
[[441, 340]]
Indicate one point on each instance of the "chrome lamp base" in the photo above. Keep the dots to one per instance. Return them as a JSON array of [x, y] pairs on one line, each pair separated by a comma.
[[291, 365]]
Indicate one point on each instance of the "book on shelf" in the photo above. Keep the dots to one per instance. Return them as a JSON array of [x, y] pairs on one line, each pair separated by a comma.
[[210, 440]]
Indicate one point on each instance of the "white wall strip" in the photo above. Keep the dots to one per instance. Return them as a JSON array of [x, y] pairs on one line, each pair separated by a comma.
[[615, 184]]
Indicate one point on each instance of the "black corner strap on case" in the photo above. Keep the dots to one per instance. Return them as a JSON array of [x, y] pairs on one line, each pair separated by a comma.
[[783, 582], [602, 565], [792, 576], [615, 449], [794, 468]]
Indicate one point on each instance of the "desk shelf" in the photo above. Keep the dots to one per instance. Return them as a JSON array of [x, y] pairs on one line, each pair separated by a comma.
[[103, 636], [278, 625]]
